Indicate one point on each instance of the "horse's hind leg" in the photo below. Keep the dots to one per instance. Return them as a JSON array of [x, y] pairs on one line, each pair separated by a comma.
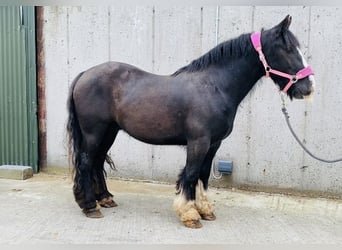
[[104, 197], [85, 175], [186, 185], [83, 184], [203, 204]]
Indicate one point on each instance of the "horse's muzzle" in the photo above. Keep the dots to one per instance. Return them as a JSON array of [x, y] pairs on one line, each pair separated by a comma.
[[301, 92]]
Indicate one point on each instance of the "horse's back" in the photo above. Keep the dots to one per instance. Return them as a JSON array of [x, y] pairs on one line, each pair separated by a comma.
[[113, 70], [107, 79]]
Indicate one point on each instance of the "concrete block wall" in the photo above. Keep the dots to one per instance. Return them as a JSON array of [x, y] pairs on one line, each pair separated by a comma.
[[163, 39]]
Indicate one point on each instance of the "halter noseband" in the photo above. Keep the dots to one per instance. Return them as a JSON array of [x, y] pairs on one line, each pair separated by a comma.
[[307, 71]]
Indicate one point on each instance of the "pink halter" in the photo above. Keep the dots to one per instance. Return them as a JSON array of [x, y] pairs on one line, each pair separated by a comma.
[[256, 40]]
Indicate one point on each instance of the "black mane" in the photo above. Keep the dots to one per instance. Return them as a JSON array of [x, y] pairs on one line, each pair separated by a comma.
[[220, 54]]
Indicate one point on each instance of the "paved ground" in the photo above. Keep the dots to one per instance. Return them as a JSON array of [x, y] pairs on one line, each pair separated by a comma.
[[42, 210]]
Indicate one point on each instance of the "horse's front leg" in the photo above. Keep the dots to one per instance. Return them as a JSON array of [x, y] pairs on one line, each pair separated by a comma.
[[203, 204], [184, 203]]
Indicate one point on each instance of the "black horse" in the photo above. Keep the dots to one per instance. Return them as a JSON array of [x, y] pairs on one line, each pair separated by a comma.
[[195, 106]]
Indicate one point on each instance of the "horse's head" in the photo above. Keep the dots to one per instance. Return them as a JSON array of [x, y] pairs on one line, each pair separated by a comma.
[[281, 50]]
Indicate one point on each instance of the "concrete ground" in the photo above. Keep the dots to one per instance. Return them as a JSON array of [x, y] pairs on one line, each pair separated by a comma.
[[42, 210]]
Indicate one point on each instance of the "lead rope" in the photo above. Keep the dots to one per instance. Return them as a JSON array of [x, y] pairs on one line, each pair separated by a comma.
[[287, 119], [217, 22]]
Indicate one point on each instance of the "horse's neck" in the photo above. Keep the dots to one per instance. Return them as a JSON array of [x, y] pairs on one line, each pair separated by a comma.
[[238, 78]]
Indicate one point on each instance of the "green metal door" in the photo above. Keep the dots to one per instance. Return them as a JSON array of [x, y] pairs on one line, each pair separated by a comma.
[[18, 98]]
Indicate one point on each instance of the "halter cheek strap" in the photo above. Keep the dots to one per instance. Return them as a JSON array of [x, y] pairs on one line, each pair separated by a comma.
[[307, 71]]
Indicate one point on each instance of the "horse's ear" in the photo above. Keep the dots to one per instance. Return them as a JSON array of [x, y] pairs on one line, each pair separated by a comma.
[[285, 24]]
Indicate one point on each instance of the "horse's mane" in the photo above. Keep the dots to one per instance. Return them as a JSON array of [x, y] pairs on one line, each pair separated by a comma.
[[220, 54], [225, 51]]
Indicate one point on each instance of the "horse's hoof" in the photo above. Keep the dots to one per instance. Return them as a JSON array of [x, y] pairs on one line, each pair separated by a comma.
[[209, 217], [107, 202], [192, 223], [93, 213]]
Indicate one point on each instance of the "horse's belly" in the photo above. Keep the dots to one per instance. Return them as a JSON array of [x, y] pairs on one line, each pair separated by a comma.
[[160, 140], [155, 125], [155, 132]]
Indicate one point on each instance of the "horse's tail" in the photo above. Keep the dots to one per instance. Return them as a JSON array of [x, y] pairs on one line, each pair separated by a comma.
[[73, 129]]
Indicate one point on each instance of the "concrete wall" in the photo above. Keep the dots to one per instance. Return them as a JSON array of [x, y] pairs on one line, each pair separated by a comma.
[[161, 40]]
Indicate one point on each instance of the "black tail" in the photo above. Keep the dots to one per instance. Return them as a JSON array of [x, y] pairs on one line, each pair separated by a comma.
[[73, 129]]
